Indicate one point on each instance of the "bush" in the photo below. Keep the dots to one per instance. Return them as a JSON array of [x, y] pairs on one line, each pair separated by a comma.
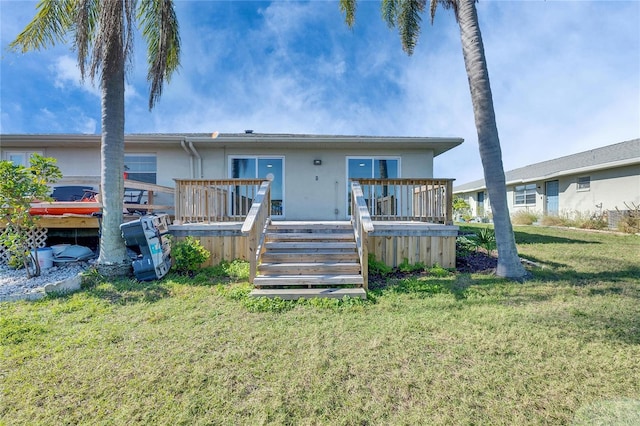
[[552, 221], [188, 255], [377, 267], [406, 267], [523, 217], [576, 219], [464, 246], [630, 221], [486, 239]]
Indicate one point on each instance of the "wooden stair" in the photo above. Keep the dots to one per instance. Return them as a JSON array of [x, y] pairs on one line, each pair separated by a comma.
[[309, 259]]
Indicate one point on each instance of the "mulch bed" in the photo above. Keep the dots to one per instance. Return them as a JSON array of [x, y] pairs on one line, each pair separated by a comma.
[[474, 262]]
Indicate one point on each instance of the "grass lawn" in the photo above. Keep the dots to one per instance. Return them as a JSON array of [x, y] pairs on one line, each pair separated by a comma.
[[562, 348]]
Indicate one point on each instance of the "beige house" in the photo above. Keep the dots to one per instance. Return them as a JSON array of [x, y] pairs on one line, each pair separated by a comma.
[[310, 173], [306, 211], [589, 182]]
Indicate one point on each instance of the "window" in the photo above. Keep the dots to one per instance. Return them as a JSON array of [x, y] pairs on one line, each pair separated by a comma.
[[525, 194], [262, 168], [20, 158], [372, 168], [141, 167], [584, 183], [480, 203]]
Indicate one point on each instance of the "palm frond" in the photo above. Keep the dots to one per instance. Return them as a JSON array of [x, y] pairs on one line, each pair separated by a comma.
[[447, 4], [51, 24], [86, 18], [348, 7], [389, 9], [408, 21], [160, 29]]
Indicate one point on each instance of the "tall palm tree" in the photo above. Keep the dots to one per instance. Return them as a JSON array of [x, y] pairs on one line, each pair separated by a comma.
[[406, 15], [103, 38]]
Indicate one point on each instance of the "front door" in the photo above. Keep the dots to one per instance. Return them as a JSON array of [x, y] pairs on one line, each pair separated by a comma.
[[551, 192]]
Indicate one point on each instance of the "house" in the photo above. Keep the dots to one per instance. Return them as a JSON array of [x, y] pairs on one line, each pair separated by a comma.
[[310, 172], [258, 196], [589, 182]]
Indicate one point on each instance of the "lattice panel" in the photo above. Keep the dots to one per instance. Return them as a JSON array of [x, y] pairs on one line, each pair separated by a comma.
[[37, 238]]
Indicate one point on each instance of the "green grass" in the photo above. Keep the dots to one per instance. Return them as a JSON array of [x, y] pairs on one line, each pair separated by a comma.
[[435, 349]]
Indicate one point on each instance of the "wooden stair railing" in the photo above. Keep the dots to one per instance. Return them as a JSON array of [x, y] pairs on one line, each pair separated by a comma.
[[362, 226], [255, 225]]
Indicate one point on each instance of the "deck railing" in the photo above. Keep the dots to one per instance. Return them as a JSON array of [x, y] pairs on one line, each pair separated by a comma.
[[423, 200], [256, 224], [146, 192], [362, 225], [218, 200]]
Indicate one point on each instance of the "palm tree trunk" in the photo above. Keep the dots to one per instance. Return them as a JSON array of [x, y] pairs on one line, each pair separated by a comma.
[[113, 258], [509, 264]]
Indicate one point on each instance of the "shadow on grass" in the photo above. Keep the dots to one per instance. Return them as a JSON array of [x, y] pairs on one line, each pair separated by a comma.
[[128, 291], [533, 237], [595, 321], [529, 238]]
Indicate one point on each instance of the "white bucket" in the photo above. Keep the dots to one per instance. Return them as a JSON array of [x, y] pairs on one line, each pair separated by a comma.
[[45, 257]]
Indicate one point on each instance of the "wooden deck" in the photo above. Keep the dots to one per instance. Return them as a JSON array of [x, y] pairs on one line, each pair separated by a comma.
[[395, 220]]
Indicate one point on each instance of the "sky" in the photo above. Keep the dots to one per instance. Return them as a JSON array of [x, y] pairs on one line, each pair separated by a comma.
[[565, 77]]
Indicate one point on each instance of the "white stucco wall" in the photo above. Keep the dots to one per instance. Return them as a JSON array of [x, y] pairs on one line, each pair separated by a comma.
[[311, 192], [315, 192], [609, 188]]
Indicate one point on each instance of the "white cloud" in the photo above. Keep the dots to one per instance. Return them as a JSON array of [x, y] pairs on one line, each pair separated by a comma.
[[67, 73], [565, 77]]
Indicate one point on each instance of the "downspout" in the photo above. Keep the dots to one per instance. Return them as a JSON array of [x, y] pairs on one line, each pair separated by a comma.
[[195, 153], [184, 146]]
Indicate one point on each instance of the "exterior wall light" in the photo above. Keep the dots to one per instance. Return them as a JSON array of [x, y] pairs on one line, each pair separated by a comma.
[[317, 162]]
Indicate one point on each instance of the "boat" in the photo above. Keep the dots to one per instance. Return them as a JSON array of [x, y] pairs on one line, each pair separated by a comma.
[[59, 208], [87, 205]]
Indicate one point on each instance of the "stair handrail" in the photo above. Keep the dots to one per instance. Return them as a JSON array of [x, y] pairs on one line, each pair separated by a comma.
[[255, 225], [362, 226]]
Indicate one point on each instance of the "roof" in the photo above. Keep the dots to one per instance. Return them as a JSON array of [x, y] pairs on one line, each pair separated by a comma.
[[616, 155], [272, 140]]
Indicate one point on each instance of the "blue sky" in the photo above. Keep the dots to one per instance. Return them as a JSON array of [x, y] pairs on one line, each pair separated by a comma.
[[565, 77]]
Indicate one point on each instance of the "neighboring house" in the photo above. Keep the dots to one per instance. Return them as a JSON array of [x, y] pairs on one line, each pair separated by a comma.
[[310, 172], [589, 182]]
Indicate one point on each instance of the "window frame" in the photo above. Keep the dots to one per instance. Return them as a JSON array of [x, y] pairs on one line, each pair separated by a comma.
[[257, 159], [583, 186], [373, 159], [27, 156], [141, 154], [527, 193]]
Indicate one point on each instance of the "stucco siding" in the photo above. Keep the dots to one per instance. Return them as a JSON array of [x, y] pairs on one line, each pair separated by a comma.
[[315, 192], [608, 189], [310, 192]]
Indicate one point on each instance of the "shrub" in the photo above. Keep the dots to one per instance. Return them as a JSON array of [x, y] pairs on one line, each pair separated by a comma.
[[19, 186], [630, 221], [552, 221], [464, 246], [405, 266], [377, 267], [576, 219], [439, 271], [461, 208], [523, 217], [486, 239], [188, 255], [238, 269]]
